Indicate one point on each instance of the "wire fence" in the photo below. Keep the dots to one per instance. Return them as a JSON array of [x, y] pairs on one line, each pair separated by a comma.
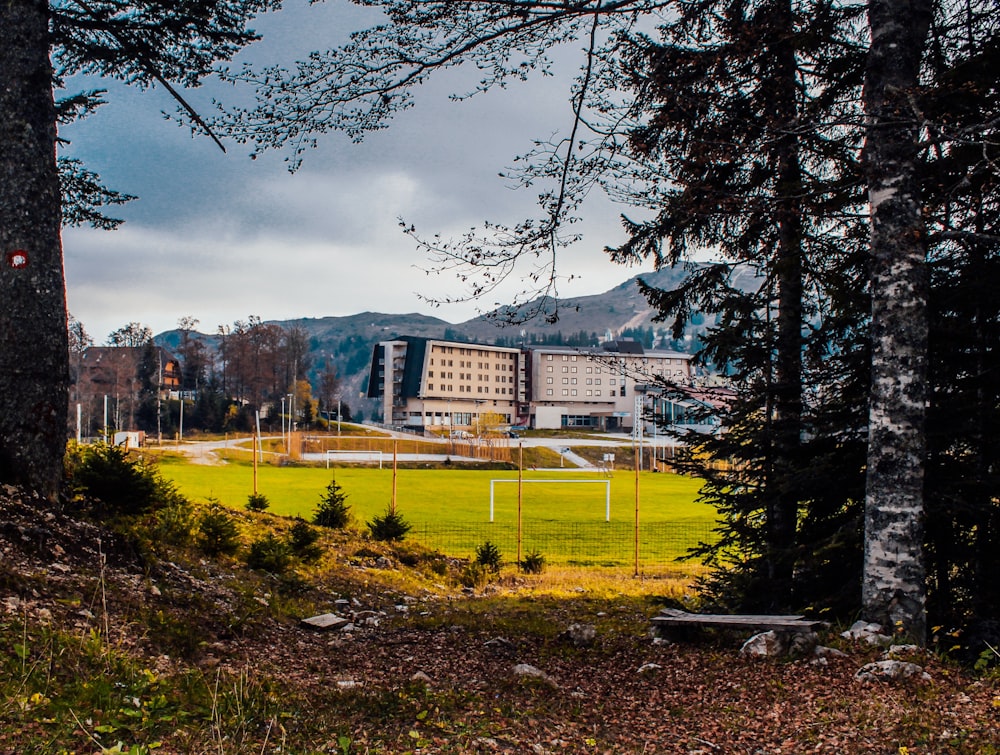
[[584, 543]]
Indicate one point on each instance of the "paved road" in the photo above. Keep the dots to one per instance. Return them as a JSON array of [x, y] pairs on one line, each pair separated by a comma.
[[204, 452]]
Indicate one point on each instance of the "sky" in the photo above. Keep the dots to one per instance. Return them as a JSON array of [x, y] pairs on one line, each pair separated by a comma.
[[220, 237]]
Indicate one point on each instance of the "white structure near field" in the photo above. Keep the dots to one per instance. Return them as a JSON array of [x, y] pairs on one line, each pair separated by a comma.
[[428, 384]]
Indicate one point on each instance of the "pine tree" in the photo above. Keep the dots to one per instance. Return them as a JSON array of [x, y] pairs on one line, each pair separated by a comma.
[[753, 169]]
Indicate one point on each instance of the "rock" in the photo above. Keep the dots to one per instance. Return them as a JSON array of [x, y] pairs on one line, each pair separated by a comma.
[[649, 667], [327, 621], [764, 645], [499, 644], [420, 676], [383, 563], [870, 633], [891, 671], [581, 635], [802, 643], [821, 651], [526, 669], [895, 651]]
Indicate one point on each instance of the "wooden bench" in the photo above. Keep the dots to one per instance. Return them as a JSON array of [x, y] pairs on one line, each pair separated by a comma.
[[672, 619]]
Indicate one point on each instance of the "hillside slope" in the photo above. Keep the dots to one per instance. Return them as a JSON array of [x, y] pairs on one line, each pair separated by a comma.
[[114, 646]]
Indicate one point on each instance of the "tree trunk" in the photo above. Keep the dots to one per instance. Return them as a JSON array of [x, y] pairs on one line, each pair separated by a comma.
[[34, 356], [787, 422], [893, 581]]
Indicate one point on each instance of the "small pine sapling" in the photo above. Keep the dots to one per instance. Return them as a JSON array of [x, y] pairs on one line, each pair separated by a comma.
[[333, 510]]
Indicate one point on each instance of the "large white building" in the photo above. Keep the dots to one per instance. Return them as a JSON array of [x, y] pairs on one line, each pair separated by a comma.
[[426, 383], [598, 387]]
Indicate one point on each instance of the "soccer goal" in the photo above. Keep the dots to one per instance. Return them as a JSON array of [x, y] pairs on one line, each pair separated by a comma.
[[605, 483], [354, 456]]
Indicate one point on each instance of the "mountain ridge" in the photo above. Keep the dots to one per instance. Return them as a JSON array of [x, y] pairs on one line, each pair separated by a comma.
[[347, 340]]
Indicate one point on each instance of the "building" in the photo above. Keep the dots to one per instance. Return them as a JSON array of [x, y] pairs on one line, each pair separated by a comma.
[[599, 387], [427, 384], [109, 368]]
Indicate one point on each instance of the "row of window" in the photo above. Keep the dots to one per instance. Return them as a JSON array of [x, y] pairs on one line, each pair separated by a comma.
[[589, 381], [468, 376], [632, 360], [589, 393], [472, 352], [450, 388]]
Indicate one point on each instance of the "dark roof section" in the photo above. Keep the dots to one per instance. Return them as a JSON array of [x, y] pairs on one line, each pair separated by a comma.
[[416, 348], [628, 346]]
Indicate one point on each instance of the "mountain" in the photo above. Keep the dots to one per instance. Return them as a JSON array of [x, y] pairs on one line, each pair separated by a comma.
[[347, 341]]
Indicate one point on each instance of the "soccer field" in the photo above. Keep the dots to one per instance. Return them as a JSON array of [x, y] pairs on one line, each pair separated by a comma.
[[450, 509]]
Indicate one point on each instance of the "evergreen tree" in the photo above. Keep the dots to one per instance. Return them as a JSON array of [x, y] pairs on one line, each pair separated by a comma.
[[752, 168]]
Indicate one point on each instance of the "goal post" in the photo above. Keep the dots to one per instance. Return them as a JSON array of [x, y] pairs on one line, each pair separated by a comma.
[[605, 483]]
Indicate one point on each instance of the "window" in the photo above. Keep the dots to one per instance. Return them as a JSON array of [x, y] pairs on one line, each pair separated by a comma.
[[548, 380], [565, 392], [548, 391], [565, 381], [572, 392], [430, 373], [549, 368]]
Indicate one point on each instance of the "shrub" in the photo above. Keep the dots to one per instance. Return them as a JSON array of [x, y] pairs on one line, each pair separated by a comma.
[[475, 575], [488, 556], [333, 511], [269, 554], [113, 482], [174, 522], [389, 527], [533, 563], [257, 502], [217, 532], [302, 540]]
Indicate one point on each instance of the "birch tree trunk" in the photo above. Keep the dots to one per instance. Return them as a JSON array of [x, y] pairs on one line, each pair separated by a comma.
[[893, 580], [34, 356]]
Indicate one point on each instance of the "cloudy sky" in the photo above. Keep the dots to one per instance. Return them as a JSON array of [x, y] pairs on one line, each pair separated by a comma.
[[220, 237]]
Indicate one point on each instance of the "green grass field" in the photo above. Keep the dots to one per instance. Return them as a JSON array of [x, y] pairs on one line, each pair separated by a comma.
[[449, 509]]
